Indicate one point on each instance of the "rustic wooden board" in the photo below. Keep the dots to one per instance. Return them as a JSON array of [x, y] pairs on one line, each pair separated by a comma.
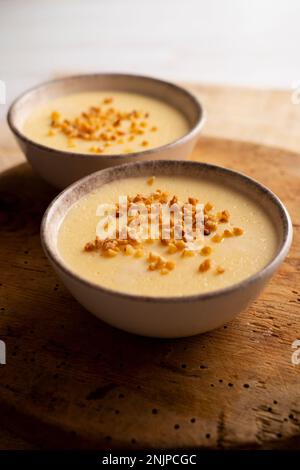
[[72, 381]]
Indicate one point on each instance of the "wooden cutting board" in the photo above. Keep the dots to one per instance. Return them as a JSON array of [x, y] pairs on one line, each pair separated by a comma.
[[72, 381]]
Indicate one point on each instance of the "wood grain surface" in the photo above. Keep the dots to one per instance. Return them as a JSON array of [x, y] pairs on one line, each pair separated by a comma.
[[72, 381]]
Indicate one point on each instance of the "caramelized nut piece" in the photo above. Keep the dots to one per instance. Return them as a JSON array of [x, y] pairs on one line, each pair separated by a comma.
[[139, 253], [110, 253], [180, 244], [208, 207], [217, 238], [188, 253], [153, 256], [152, 266], [129, 250], [111, 246], [107, 100], [227, 233], [170, 265], [164, 271], [211, 225], [172, 248], [224, 216], [95, 149], [55, 116], [220, 270], [193, 200], [238, 231], [151, 180], [205, 265], [161, 262], [206, 250], [89, 246]]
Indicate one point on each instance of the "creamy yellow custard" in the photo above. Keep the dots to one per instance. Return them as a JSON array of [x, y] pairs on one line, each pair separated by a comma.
[[220, 260], [105, 123]]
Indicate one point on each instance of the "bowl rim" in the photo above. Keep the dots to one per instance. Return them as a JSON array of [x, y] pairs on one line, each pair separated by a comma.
[[194, 130], [266, 271]]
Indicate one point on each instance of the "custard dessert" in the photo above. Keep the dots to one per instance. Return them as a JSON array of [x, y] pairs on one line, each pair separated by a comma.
[[237, 237]]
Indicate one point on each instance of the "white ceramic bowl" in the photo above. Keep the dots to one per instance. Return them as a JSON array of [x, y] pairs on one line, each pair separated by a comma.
[[63, 168], [167, 317]]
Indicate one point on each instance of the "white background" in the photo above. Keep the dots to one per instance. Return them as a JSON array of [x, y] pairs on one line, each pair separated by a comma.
[[251, 43]]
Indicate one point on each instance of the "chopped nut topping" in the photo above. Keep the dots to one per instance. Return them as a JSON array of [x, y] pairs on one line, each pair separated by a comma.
[[172, 248], [238, 231], [110, 253], [129, 250], [188, 253], [224, 216], [153, 256], [110, 247], [208, 207], [151, 180], [227, 234], [211, 225], [170, 265], [205, 266], [103, 124], [95, 149], [139, 253], [217, 238], [164, 271], [220, 270], [55, 116], [193, 201], [107, 101], [206, 250]]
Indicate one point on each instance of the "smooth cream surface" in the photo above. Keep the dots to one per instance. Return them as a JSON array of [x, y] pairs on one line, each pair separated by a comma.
[[240, 256], [170, 123]]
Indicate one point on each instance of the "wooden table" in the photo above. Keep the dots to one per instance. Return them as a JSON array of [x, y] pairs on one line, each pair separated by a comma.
[[71, 381]]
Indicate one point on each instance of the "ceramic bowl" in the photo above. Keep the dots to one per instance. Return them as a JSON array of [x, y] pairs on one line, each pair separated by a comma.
[[62, 168], [166, 317]]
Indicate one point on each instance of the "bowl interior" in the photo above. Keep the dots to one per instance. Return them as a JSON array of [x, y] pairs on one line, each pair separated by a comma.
[[265, 198], [173, 95]]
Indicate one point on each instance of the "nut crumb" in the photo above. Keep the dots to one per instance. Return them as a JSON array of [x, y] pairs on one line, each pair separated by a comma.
[[206, 250], [151, 180], [238, 231], [227, 233], [205, 266], [220, 270], [164, 271], [217, 238]]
